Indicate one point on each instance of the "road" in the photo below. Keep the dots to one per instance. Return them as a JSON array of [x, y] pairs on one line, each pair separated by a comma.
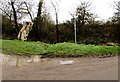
[[50, 69]]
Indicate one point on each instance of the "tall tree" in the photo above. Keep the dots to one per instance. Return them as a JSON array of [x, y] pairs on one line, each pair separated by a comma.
[[38, 22], [24, 9], [117, 7], [116, 15], [15, 15], [56, 9], [83, 13], [20, 8], [84, 16], [5, 10]]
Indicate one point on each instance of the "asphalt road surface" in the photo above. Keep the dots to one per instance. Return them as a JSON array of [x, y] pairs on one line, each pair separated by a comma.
[[51, 69]]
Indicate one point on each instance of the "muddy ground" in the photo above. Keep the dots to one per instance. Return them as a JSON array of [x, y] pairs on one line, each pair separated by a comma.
[[50, 69]]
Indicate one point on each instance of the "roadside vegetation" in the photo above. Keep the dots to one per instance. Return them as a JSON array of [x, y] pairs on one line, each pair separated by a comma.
[[17, 47], [45, 29]]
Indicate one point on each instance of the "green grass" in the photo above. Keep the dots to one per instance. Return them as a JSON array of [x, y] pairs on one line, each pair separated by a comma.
[[20, 47], [34, 48]]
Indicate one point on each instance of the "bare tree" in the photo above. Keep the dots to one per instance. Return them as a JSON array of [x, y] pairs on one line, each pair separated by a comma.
[[83, 17], [16, 10], [116, 16], [14, 14], [83, 13], [5, 9], [25, 8], [118, 9], [56, 9], [28, 9], [117, 5]]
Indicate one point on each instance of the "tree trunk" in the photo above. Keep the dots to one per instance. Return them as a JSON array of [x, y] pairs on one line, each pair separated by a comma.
[[15, 16], [57, 30], [83, 24]]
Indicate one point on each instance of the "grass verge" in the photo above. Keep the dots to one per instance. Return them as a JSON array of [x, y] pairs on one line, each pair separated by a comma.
[[36, 48]]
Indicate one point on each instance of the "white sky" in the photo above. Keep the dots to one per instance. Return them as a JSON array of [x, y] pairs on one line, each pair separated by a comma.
[[103, 8]]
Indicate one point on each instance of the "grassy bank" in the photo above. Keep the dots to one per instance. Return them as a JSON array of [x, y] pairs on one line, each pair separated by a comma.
[[34, 48]]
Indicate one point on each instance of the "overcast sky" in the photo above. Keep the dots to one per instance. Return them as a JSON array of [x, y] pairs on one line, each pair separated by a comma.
[[103, 8]]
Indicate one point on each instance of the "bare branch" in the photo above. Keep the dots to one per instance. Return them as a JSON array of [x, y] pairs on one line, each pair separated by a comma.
[[117, 5], [71, 14], [54, 7], [28, 11], [4, 12]]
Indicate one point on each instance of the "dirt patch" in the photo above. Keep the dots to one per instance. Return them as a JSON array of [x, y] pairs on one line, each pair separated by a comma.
[[75, 56]]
